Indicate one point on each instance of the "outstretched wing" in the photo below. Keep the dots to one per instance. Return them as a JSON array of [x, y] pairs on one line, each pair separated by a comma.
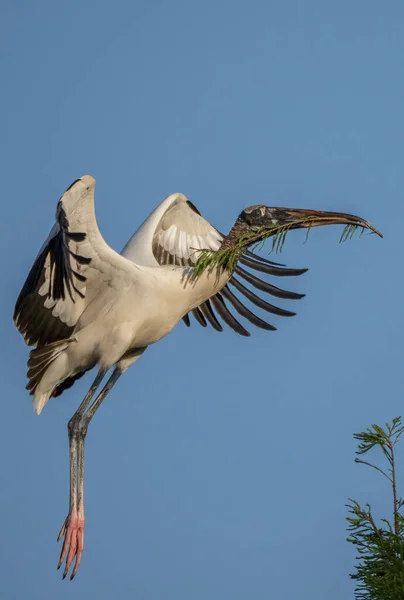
[[181, 232], [71, 267]]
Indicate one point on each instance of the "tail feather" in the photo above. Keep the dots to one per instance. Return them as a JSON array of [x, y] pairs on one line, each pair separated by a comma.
[[34, 375], [39, 361], [66, 384], [38, 354]]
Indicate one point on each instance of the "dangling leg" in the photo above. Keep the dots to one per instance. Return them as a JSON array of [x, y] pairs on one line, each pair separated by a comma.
[[73, 529], [76, 538], [71, 522]]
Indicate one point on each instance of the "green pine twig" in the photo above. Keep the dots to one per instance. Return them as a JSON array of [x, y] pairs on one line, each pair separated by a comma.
[[227, 258]]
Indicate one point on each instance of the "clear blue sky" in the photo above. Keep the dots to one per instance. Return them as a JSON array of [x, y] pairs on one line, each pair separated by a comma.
[[219, 466]]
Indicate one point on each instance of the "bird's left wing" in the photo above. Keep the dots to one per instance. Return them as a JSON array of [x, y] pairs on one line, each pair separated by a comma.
[[181, 232], [70, 269]]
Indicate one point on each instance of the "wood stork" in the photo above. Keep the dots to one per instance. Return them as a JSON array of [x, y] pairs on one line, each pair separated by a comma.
[[84, 305]]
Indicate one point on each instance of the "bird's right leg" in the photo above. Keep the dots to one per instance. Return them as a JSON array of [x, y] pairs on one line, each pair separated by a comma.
[[73, 527], [74, 541]]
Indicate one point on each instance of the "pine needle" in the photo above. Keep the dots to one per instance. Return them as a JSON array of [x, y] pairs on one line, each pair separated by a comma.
[[348, 232], [227, 258]]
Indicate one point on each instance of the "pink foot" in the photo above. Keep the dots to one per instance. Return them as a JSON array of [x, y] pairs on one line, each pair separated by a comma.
[[73, 544]]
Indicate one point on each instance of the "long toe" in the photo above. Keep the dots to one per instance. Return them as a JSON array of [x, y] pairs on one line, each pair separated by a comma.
[[73, 543]]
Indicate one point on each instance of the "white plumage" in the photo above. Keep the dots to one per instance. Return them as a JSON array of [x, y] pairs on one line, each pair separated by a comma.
[[113, 303], [83, 304]]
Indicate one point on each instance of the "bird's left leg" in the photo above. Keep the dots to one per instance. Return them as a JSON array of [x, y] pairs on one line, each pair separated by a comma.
[[77, 541], [77, 545], [73, 527]]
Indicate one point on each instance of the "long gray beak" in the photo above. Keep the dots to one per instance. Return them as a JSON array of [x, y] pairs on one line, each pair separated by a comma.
[[301, 217]]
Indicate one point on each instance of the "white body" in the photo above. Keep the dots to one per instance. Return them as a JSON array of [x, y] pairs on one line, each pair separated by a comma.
[[129, 301]]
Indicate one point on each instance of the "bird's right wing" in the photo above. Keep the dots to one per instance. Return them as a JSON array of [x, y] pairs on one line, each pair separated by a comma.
[[181, 232], [71, 267]]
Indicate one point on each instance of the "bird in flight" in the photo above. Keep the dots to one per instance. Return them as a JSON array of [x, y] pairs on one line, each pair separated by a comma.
[[84, 305]]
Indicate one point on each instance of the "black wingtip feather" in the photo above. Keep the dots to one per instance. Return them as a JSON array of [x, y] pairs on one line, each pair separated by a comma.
[[221, 308], [199, 317], [271, 269], [245, 312], [262, 259], [267, 287], [260, 302], [210, 316]]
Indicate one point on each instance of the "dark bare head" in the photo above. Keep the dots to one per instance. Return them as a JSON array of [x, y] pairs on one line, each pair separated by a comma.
[[259, 217]]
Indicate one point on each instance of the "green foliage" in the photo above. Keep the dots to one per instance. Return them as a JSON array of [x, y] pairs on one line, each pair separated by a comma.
[[348, 232], [227, 258], [380, 560]]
